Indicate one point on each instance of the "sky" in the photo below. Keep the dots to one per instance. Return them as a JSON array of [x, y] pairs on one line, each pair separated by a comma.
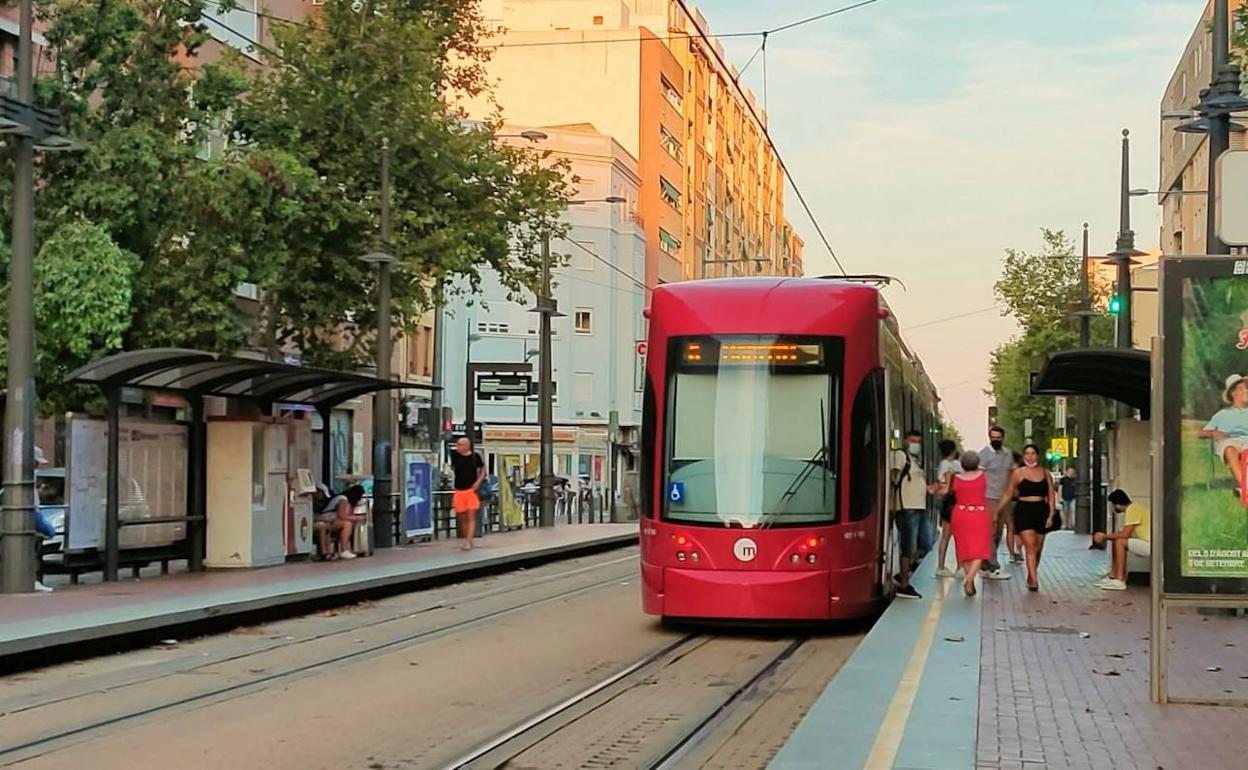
[[930, 135]]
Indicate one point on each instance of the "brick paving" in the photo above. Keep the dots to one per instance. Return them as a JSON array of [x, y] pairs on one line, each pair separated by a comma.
[[1052, 697]]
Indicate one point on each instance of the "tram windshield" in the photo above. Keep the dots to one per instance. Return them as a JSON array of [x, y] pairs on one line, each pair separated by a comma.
[[751, 431]]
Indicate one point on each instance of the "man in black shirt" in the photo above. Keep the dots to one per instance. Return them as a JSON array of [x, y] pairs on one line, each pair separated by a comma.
[[469, 471], [1069, 484]]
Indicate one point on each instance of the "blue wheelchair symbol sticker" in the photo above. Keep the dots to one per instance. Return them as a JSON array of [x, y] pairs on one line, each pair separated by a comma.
[[676, 492]]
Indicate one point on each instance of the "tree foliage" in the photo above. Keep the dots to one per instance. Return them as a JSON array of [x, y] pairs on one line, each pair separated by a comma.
[[82, 304], [348, 82], [1040, 290], [292, 201]]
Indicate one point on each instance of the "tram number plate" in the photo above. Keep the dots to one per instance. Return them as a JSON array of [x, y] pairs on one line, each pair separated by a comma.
[[676, 492]]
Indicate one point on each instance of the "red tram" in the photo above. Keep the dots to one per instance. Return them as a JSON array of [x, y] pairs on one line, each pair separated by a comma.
[[770, 407]]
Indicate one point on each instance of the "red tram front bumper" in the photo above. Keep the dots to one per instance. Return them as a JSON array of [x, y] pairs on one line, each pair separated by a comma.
[[746, 595]]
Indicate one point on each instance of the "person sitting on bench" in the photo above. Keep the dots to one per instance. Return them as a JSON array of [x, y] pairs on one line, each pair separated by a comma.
[[339, 517], [1132, 538]]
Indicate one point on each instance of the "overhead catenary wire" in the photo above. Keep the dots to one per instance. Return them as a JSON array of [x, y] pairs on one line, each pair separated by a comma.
[[947, 319]]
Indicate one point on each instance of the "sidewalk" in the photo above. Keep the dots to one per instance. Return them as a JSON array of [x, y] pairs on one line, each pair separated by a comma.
[[101, 611], [1049, 697], [1062, 680]]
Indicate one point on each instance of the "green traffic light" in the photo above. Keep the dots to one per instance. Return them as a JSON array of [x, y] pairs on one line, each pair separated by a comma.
[[1115, 305]]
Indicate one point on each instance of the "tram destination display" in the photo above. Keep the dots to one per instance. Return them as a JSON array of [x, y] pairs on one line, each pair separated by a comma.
[[750, 351]]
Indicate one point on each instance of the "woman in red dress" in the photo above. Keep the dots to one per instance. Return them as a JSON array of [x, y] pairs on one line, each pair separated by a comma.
[[972, 521]]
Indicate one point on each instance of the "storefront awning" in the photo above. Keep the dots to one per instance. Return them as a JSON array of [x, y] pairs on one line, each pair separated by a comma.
[[1121, 375], [197, 373]]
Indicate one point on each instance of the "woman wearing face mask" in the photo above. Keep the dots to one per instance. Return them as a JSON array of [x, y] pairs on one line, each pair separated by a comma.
[[1033, 511]]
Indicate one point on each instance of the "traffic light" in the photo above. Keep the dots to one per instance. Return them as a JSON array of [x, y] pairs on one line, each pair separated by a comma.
[[1115, 305]]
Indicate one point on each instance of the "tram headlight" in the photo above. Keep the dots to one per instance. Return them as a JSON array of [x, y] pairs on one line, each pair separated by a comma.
[[694, 556], [810, 558], [680, 556], [795, 559]]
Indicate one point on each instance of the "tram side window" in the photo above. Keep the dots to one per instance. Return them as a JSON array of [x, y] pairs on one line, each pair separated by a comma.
[[866, 449], [649, 406]]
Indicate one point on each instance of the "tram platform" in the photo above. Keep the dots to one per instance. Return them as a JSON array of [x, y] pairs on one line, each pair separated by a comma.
[[1013, 679], [103, 612]]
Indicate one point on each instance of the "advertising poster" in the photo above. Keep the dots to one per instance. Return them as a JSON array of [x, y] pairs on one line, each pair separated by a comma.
[[512, 512], [417, 495], [1205, 318]]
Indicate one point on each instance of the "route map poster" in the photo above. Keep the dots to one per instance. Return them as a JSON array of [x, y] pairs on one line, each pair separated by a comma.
[[1212, 495]]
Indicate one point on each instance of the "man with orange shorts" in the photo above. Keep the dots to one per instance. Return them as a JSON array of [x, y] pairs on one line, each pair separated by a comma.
[[469, 471]]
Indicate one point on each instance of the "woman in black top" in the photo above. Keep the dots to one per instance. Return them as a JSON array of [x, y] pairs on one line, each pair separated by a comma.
[[1033, 511]]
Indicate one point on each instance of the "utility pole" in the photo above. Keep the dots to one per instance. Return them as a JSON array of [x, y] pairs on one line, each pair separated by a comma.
[[1124, 257], [17, 537], [1083, 505], [383, 422], [546, 408], [1225, 81]]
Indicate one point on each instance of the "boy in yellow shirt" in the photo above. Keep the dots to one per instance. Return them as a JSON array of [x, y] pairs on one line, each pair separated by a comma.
[[1132, 538]]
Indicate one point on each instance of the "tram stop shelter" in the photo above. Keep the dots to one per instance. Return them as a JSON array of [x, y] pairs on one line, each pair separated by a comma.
[[196, 375], [1115, 373]]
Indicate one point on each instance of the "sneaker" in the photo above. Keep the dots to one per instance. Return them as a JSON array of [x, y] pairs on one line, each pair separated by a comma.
[[1110, 584], [908, 593], [999, 575], [1016, 559], [41, 588], [347, 554], [944, 572]]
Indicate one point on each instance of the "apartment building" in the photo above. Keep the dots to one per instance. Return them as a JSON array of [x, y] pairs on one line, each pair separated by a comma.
[[594, 355], [1184, 157], [647, 73]]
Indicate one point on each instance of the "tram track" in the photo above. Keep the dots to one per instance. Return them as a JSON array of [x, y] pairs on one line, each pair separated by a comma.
[[570, 733], [257, 678]]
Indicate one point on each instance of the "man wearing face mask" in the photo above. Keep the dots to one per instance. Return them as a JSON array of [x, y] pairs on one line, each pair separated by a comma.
[[910, 490], [997, 462]]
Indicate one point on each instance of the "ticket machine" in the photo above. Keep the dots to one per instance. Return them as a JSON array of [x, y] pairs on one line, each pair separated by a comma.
[[248, 463]]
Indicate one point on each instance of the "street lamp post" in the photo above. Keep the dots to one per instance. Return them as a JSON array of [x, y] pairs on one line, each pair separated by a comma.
[[32, 128], [1124, 257], [383, 423], [1083, 513], [548, 308], [1217, 103]]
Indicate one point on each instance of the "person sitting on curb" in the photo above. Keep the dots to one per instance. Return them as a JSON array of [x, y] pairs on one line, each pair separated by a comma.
[[339, 517], [1132, 538]]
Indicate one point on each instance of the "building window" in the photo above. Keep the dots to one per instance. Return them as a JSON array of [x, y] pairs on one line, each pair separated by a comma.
[[598, 21], [668, 244], [671, 93], [669, 193], [493, 328], [584, 386], [670, 142], [584, 321], [237, 27]]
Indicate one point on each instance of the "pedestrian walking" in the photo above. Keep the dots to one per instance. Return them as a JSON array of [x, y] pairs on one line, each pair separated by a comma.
[[469, 470], [1070, 492], [972, 520], [1034, 512], [910, 490], [949, 467], [997, 462]]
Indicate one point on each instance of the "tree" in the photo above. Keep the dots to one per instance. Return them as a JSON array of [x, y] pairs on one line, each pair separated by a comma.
[[348, 81], [82, 305], [1040, 291], [292, 202]]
